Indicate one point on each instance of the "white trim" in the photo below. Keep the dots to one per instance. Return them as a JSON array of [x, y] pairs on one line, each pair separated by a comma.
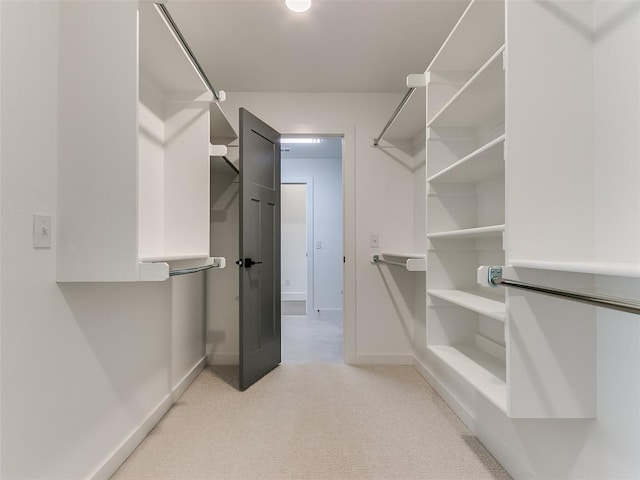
[[349, 246], [508, 459], [293, 296], [223, 359], [382, 359], [117, 458]]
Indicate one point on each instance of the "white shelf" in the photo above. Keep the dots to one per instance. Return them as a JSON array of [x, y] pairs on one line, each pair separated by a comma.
[[596, 268], [175, 258], [164, 61], [478, 101], [483, 371], [478, 33], [412, 121], [485, 162], [474, 300], [478, 232], [404, 255], [221, 131]]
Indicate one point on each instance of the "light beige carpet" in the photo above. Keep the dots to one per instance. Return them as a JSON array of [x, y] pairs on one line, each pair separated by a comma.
[[311, 421]]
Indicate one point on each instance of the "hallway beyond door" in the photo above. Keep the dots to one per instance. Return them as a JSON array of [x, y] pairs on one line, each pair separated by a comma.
[[312, 338]]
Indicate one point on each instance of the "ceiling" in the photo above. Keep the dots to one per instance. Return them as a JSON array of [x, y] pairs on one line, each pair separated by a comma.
[[336, 46]]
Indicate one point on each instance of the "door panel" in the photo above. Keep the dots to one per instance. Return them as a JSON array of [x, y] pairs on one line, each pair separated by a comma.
[[259, 249]]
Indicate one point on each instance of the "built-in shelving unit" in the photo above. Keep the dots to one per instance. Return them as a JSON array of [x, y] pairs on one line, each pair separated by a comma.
[[133, 168], [465, 199]]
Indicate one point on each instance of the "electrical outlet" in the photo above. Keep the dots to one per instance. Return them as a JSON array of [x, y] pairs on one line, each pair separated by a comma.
[[287, 283], [374, 241], [41, 231]]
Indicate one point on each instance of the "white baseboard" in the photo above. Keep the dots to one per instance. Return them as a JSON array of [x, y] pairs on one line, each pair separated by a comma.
[[382, 359], [293, 296], [118, 457], [223, 359], [496, 447]]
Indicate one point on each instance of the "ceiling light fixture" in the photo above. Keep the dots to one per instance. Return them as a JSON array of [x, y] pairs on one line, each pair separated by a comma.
[[298, 5], [299, 140]]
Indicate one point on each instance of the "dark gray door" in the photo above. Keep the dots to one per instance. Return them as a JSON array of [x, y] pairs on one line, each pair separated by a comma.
[[259, 249]]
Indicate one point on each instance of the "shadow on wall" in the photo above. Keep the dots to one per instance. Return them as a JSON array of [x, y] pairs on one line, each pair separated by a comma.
[[625, 11], [128, 329], [399, 285]]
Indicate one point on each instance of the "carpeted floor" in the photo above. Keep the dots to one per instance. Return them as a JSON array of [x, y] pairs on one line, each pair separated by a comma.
[[311, 421]]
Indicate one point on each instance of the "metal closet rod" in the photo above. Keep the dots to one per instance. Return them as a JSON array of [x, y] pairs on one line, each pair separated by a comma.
[[231, 165], [194, 61], [622, 304], [379, 259], [394, 116], [186, 271]]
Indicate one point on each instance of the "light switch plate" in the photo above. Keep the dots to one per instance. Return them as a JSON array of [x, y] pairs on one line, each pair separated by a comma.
[[374, 241], [41, 231]]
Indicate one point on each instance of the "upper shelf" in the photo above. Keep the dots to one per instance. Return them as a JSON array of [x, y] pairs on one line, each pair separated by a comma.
[[411, 122], [482, 21], [221, 131], [163, 60], [479, 100], [591, 267]]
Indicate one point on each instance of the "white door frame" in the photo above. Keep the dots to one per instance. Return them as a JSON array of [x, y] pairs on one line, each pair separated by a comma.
[[347, 131], [308, 181]]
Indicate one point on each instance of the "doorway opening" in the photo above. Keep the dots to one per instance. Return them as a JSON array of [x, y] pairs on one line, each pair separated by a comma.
[[312, 252]]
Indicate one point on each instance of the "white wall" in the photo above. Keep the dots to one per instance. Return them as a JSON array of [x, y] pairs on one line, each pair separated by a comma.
[[378, 197], [294, 241], [326, 175], [86, 368]]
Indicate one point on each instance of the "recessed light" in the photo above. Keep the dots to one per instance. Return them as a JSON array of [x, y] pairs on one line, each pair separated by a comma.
[[298, 5]]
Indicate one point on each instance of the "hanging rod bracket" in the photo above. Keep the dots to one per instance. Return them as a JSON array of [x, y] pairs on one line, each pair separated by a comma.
[[493, 274], [416, 80]]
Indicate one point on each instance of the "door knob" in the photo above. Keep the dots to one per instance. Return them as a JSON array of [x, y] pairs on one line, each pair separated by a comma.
[[246, 263]]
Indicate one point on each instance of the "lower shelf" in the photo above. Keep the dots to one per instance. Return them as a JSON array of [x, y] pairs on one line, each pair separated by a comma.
[[483, 371]]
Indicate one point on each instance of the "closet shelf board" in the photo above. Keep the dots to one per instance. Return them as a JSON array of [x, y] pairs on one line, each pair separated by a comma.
[[483, 371], [597, 268], [221, 131], [163, 59], [485, 162], [473, 300], [175, 257], [481, 99], [403, 255], [478, 232]]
